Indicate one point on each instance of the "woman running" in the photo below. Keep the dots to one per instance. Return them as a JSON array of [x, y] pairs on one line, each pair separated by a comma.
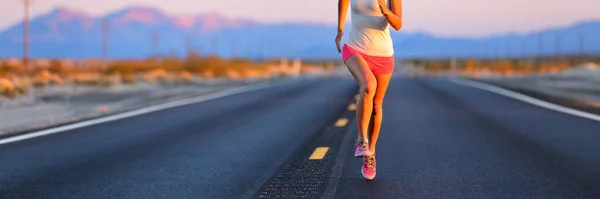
[[369, 55]]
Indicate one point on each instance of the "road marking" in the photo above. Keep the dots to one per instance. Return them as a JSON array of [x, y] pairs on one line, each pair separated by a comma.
[[341, 122], [319, 153], [137, 112], [352, 107], [525, 98]]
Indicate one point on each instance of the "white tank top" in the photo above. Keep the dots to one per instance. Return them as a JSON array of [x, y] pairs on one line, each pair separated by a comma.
[[369, 32]]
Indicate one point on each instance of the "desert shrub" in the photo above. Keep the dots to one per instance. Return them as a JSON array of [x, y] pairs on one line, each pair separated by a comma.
[[173, 65], [154, 75], [15, 69], [128, 79], [507, 67], [58, 67], [526, 67], [13, 88], [7, 88], [471, 66], [201, 65], [504, 67], [22, 85], [124, 70], [90, 78], [186, 76], [3, 70], [120, 68], [46, 78]]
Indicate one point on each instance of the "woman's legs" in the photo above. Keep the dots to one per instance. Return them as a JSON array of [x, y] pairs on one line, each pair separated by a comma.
[[368, 85], [382, 85]]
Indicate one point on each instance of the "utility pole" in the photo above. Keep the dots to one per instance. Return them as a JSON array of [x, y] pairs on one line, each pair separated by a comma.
[[297, 67], [247, 51], [557, 40], [540, 45], [453, 66], [523, 53], [27, 4], [105, 29], [489, 51], [257, 50], [233, 49], [214, 45], [508, 51], [155, 43], [496, 52], [581, 39], [188, 47]]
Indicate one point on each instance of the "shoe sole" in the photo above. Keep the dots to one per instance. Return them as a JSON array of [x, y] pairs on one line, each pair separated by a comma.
[[363, 174], [359, 155]]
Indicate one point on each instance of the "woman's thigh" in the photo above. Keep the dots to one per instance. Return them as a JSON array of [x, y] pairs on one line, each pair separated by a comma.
[[359, 68]]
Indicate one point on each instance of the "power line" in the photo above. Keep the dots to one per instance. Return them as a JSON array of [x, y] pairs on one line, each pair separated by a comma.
[[105, 29], [557, 43], [27, 4], [540, 45]]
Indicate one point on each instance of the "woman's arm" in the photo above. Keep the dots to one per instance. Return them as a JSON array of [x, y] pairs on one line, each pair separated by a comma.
[[342, 10], [394, 16]]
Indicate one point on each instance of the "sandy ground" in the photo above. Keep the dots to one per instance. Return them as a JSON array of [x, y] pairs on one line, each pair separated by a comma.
[[56, 105], [582, 83]]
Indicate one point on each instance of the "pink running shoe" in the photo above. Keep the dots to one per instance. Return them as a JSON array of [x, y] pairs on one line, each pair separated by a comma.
[[369, 166], [362, 147]]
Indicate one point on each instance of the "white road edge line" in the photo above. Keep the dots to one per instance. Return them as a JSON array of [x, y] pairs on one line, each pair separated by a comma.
[[525, 98], [167, 105]]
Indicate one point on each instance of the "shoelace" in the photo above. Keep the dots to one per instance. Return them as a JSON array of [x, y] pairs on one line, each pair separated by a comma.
[[370, 163], [362, 144]]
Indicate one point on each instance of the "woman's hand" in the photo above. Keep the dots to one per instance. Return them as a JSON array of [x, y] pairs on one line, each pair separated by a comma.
[[393, 17], [383, 7], [338, 39]]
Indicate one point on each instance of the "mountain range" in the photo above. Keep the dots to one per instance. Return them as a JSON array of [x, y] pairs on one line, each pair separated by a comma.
[[139, 32]]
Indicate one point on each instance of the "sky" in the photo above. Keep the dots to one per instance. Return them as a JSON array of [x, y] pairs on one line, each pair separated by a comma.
[[462, 18]]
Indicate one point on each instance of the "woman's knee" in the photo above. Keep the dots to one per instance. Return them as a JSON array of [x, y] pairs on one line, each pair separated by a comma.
[[369, 87], [377, 107]]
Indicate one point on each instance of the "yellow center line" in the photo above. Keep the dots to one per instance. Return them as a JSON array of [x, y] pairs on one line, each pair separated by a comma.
[[341, 122], [352, 107], [319, 153]]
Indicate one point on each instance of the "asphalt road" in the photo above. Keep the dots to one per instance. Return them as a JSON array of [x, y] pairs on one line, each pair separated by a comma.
[[439, 140]]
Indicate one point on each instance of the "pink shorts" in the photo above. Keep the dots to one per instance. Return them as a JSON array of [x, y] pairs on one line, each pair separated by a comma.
[[378, 65]]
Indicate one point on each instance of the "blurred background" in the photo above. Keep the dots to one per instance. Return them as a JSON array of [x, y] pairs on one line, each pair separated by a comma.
[[69, 67], [63, 60]]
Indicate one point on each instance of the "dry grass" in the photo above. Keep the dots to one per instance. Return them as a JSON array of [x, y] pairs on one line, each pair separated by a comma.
[[505, 67], [15, 79], [13, 88], [45, 78]]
